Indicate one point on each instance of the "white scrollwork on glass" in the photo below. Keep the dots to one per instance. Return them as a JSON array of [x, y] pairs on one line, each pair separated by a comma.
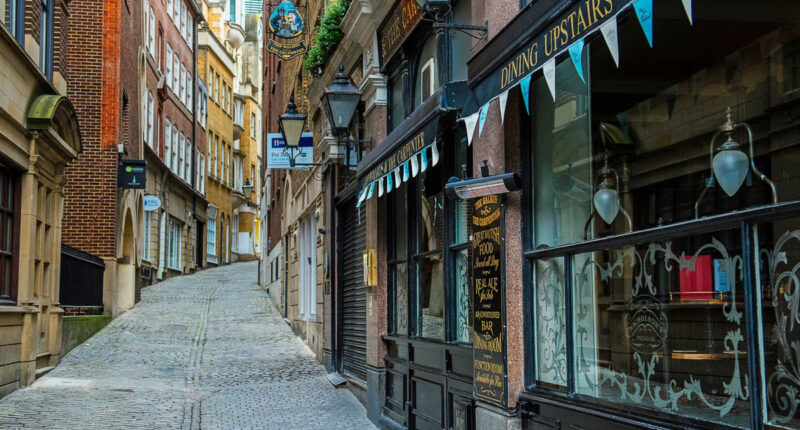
[[463, 328], [648, 330], [783, 382], [550, 323]]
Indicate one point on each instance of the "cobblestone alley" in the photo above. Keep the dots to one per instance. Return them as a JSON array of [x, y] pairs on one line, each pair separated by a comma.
[[202, 351]]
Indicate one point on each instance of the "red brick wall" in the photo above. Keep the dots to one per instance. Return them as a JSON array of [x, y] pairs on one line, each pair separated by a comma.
[[130, 41], [272, 107], [90, 206], [61, 14]]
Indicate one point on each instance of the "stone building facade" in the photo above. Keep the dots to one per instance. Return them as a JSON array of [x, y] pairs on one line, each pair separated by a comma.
[[39, 135]]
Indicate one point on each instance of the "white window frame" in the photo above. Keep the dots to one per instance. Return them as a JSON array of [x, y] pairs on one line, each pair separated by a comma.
[[181, 155], [175, 147], [190, 90], [211, 240], [182, 85], [174, 247], [188, 161], [150, 118], [151, 33], [176, 74], [146, 245], [308, 269], [183, 21], [169, 64], [169, 9], [167, 143]]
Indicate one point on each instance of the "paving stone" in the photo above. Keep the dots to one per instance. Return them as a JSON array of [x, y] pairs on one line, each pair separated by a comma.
[[204, 351]]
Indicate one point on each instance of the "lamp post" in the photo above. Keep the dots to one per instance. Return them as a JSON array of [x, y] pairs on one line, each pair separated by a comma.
[[292, 124], [340, 101]]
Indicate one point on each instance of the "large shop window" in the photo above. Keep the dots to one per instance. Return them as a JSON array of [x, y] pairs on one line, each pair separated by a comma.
[[398, 260], [637, 300]]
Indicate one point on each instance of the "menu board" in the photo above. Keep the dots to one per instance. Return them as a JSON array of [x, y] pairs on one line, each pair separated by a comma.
[[488, 353]]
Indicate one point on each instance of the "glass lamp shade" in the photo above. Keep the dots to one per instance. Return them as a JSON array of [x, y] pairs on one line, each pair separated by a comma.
[[247, 190], [730, 167], [340, 101], [420, 3], [292, 124], [606, 202]]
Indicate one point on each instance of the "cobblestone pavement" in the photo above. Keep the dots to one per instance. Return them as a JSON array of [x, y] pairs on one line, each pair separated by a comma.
[[205, 351]]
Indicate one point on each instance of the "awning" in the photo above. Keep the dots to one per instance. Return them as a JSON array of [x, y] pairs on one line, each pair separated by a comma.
[[545, 30], [410, 148]]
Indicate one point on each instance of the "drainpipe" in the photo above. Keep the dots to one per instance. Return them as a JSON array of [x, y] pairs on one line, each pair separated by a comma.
[[162, 230]]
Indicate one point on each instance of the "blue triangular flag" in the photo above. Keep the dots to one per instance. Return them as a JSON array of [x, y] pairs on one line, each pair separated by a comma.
[[389, 185], [406, 171], [525, 86], [361, 197], [644, 11], [424, 159], [576, 53], [482, 119], [371, 190]]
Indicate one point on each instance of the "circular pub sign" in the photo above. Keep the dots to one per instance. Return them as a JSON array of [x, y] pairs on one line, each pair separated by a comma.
[[151, 203]]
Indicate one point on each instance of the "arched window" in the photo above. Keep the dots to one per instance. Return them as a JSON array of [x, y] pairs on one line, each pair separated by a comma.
[[427, 80]]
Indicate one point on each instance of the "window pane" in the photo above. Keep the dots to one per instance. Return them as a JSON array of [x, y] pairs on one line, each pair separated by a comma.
[[462, 42], [464, 294], [661, 325], [779, 244], [9, 19], [431, 296], [399, 258], [550, 323], [427, 80], [561, 158], [398, 105]]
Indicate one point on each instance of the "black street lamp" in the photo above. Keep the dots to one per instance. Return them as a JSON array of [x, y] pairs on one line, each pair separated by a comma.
[[292, 124], [247, 190], [340, 101]]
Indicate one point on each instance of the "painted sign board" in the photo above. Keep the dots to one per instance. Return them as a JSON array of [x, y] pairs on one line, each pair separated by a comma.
[[488, 353], [132, 174], [278, 154], [397, 26], [287, 23], [151, 203]]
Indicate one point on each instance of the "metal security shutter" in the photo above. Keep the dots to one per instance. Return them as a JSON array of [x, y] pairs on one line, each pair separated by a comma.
[[354, 300]]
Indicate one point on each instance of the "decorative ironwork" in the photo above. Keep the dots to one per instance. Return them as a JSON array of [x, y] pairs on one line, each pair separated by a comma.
[[550, 323]]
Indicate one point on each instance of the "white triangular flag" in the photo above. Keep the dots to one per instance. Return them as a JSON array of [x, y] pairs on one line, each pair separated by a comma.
[[397, 179], [482, 118], [380, 187], [687, 5], [414, 166], [362, 197], [549, 70], [434, 154], [503, 100], [471, 121], [609, 30]]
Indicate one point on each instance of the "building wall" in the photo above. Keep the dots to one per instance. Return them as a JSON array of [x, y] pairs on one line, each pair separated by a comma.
[[219, 189]]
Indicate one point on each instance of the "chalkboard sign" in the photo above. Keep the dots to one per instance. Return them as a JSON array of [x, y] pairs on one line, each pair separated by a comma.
[[488, 353]]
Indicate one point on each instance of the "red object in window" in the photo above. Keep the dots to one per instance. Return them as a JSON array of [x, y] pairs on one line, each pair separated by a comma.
[[697, 284]]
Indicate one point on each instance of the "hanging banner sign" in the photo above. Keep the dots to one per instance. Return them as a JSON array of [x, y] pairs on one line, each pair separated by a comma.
[[279, 155], [286, 51], [286, 22], [575, 24], [132, 174], [396, 27], [488, 352], [416, 143]]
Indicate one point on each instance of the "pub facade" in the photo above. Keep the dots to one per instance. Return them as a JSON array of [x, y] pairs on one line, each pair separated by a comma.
[[588, 217]]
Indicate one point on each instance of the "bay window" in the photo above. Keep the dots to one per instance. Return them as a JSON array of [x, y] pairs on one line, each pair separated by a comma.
[[657, 285]]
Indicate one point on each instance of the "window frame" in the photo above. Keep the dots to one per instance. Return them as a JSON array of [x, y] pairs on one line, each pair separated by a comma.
[[11, 178], [174, 248]]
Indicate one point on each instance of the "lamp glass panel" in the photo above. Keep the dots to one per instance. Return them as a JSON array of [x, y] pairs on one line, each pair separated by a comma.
[[292, 131], [730, 168], [342, 107]]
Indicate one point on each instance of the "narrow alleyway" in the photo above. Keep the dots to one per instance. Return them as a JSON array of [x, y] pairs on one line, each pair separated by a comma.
[[206, 351]]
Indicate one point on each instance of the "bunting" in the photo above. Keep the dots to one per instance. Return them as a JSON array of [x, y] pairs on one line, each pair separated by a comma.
[[644, 11], [361, 197], [434, 154], [397, 179], [405, 171], [503, 101], [414, 166], [424, 160], [471, 121], [371, 190], [389, 185], [609, 31], [380, 187], [549, 70], [525, 86], [482, 120], [576, 53], [687, 6]]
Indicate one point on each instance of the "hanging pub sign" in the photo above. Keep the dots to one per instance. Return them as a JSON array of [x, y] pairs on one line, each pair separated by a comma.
[[286, 22], [397, 26], [488, 352], [132, 174]]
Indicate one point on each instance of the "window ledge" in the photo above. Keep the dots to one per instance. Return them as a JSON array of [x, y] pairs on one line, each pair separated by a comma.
[[12, 309]]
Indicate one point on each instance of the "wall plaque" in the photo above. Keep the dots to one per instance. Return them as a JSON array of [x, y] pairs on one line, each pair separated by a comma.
[[488, 353]]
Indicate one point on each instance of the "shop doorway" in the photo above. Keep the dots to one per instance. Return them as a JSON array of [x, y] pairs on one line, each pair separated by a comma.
[[352, 300]]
